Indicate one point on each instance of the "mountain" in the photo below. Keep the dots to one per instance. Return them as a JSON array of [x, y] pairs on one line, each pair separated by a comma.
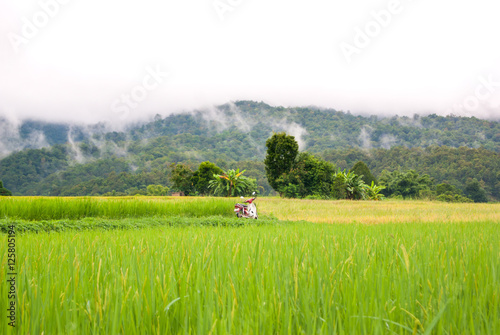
[[66, 159]]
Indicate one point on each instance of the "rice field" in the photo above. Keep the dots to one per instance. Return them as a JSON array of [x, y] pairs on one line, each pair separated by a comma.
[[379, 212], [363, 268], [53, 208]]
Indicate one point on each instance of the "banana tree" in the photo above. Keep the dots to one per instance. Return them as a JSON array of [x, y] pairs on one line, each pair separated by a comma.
[[373, 191], [230, 181], [355, 188]]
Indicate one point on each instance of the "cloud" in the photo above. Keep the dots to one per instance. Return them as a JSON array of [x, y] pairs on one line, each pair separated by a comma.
[[387, 141], [11, 139], [365, 137], [90, 53]]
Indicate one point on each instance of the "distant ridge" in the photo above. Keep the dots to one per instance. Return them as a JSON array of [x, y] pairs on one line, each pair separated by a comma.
[[68, 159]]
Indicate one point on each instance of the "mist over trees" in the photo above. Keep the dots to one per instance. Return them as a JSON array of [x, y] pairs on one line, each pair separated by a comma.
[[450, 150]]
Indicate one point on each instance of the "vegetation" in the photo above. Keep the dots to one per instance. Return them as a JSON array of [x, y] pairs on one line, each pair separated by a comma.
[[374, 192], [182, 178], [28, 208], [157, 190], [378, 212], [308, 176], [407, 184], [4, 191], [203, 176], [474, 191], [233, 182], [348, 185], [448, 149], [98, 223], [449, 193], [326, 129], [282, 149], [362, 170], [443, 164], [275, 278], [403, 267]]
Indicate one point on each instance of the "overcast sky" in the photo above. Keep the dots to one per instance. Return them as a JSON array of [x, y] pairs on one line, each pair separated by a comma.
[[90, 60]]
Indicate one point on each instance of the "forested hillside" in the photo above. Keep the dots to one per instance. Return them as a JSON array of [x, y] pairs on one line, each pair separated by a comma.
[[90, 161]]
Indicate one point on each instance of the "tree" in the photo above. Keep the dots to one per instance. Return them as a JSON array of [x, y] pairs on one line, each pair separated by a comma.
[[408, 184], [181, 178], [309, 176], [361, 169], [157, 190], [474, 191], [232, 182], [348, 185], [282, 149], [373, 192], [202, 177], [3, 191], [445, 188]]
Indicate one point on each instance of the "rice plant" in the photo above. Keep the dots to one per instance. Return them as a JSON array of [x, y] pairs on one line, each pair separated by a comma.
[[402, 278], [46, 208]]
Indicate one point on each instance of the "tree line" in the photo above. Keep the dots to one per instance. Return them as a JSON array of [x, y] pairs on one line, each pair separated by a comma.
[[127, 163], [303, 175]]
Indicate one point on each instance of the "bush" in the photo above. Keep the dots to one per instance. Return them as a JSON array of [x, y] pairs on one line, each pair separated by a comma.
[[450, 197], [3, 191]]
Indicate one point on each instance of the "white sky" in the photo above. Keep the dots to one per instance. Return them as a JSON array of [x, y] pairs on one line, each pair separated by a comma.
[[84, 55]]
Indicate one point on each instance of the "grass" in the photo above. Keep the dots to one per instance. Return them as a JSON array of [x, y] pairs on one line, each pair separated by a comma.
[[292, 278], [52, 208], [91, 223], [317, 211], [171, 266], [378, 212]]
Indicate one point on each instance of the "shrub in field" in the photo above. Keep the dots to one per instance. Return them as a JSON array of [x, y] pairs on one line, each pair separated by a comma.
[[449, 193], [449, 197], [157, 190]]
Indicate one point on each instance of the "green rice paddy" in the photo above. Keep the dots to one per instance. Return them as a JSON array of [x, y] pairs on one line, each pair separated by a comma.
[[192, 273]]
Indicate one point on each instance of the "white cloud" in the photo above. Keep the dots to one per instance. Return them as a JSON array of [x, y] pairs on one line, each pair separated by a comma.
[[281, 52]]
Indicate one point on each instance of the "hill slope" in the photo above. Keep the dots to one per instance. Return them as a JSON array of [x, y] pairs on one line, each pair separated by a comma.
[[89, 160]]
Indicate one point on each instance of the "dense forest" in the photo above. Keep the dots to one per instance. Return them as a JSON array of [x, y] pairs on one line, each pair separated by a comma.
[[91, 160]]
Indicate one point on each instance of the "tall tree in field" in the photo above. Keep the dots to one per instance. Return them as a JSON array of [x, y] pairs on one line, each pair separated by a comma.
[[361, 169], [282, 149], [202, 177], [181, 178]]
